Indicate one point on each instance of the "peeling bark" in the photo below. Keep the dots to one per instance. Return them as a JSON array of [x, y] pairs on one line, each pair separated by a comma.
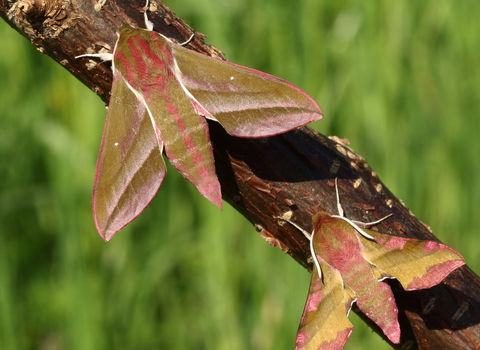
[[291, 174]]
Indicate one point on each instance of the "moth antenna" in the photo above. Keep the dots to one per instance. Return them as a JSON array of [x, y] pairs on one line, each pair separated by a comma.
[[372, 223], [355, 226], [339, 206], [105, 57], [148, 23], [354, 223], [188, 40]]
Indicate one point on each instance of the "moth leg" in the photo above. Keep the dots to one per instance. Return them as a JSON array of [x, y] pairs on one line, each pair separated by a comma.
[[314, 256], [310, 238], [305, 233]]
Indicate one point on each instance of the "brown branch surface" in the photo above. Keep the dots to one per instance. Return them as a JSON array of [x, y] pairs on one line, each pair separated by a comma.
[[266, 178]]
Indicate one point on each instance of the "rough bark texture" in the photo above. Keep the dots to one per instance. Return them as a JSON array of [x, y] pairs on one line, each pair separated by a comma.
[[265, 178]]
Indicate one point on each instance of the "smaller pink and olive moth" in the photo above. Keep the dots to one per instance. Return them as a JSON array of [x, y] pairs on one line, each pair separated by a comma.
[[350, 265]]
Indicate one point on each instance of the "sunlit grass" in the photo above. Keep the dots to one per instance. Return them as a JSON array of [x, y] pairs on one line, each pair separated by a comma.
[[400, 80]]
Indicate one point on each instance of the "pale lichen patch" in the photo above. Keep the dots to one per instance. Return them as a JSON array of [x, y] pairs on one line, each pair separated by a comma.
[[357, 183], [337, 139], [99, 5], [341, 149]]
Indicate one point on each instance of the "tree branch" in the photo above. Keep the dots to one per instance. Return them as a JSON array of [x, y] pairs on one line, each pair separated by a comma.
[[300, 172]]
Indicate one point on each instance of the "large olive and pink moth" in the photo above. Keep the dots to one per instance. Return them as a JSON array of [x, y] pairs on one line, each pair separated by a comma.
[[161, 95], [350, 265]]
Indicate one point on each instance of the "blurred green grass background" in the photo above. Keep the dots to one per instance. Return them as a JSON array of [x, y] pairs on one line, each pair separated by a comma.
[[400, 80]]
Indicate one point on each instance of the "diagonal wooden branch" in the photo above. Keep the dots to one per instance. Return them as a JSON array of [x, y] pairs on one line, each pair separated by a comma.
[[290, 174]]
